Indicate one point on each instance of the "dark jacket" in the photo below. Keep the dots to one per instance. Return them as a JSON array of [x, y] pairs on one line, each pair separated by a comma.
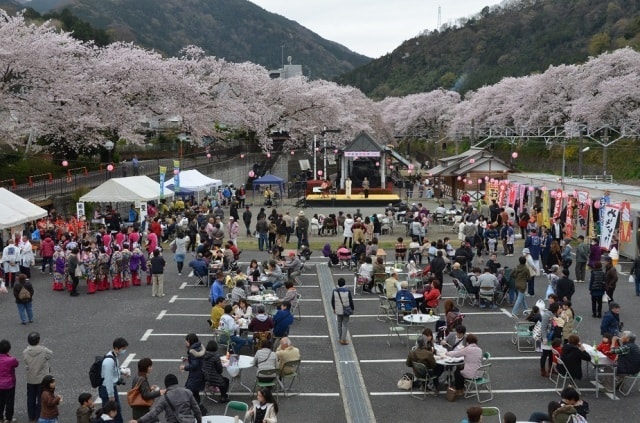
[[281, 322], [195, 379], [610, 280], [565, 287], [421, 355], [596, 283], [183, 402], [16, 292], [521, 275], [572, 357], [212, 368], [610, 323]]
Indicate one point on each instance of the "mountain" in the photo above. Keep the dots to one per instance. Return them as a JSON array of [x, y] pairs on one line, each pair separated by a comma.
[[519, 38], [236, 30], [10, 6]]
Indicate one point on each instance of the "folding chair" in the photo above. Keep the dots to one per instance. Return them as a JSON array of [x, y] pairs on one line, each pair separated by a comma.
[[385, 312], [472, 386], [522, 336], [491, 412], [426, 380], [634, 378], [259, 338], [378, 281], [269, 380], [211, 393], [236, 407], [201, 280], [358, 283], [223, 338], [398, 327], [290, 370], [295, 308], [488, 296], [576, 322], [567, 379]]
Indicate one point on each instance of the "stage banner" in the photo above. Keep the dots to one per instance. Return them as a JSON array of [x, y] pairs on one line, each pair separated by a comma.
[[625, 222], [545, 207], [162, 170], [557, 205], [608, 224]]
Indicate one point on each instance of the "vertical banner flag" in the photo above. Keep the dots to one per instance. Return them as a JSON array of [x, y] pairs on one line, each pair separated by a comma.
[[583, 210], [491, 192], [513, 194], [521, 189], [502, 193], [142, 206], [608, 225], [625, 222], [79, 210], [568, 224], [557, 205], [176, 175], [163, 171], [604, 200], [545, 208]]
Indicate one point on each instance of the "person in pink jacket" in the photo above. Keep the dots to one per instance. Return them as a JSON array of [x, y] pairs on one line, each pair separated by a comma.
[[8, 365], [472, 354]]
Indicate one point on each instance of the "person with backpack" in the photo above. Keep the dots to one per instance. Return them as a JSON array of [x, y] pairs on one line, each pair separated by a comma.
[[23, 293], [110, 376]]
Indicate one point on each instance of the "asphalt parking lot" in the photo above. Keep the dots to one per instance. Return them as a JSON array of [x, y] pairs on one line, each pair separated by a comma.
[[77, 329]]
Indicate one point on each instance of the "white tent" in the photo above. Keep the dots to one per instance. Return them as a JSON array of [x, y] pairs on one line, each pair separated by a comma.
[[193, 180], [15, 210], [126, 190]]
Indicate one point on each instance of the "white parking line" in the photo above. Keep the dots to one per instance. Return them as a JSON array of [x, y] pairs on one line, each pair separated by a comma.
[[146, 335], [161, 314]]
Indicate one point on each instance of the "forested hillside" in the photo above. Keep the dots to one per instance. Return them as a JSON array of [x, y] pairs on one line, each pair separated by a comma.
[[519, 38]]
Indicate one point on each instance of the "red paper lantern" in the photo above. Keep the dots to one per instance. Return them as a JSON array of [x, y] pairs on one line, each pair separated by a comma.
[[65, 163], [251, 174], [479, 180], [292, 152], [597, 204], [459, 178], [319, 173], [110, 168], [242, 156]]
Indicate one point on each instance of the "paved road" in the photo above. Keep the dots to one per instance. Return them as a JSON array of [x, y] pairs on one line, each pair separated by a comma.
[[77, 329]]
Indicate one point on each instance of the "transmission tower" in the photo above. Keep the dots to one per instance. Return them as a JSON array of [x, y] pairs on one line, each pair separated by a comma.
[[439, 18]]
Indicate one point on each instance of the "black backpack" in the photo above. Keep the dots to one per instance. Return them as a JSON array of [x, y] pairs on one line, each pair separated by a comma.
[[95, 371]]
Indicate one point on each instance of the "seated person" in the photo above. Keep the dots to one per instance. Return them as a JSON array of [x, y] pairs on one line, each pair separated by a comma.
[[391, 285], [266, 359], [456, 340], [534, 316], [472, 354], [212, 369], [326, 250], [291, 295], [366, 272], [275, 277], [414, 250], [282, 320], [228, 324], [431, 297], [401, 249], [573, 354], [199, 265], [344, 254], [235, 252], [286, 352], [242, 310], [294, 265], [405, 300], [261, 322], [487, 283], [422, 354], [329, 225], [238, 292], [627, 351], [216, 313], [359, 249]]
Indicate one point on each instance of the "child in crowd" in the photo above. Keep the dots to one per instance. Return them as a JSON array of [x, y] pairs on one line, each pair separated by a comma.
[[85, 410]]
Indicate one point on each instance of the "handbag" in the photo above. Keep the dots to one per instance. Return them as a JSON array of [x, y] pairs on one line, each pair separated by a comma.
[[632, 278], [346, 310], [451, 395], [78, 272], [173, 247], [606, 298], [405, 382], [135, 399]]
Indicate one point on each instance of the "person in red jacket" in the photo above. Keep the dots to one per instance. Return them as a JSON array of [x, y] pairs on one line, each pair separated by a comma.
[[46, 252]]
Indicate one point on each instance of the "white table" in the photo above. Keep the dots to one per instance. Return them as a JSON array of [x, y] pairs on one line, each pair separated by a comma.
[[218, 419], [602, 366], [244, 362], [450, 364], [421, 318]]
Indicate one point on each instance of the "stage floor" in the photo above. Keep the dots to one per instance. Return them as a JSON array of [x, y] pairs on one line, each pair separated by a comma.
[[341, 200]]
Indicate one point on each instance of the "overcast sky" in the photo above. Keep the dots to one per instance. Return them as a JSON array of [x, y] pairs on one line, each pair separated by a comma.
[[372, 27]]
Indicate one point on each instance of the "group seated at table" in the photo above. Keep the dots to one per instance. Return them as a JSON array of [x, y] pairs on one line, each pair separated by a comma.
[[424, 353], [472, 355]]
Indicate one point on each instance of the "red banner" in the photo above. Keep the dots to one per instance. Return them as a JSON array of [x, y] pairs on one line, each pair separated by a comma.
[[513, 193], [557, 206], [568, 224], [502, 193]]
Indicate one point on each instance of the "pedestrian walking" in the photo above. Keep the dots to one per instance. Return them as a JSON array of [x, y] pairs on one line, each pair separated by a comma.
[[342, 304]]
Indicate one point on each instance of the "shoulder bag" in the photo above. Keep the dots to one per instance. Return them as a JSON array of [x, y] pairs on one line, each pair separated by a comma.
[[346, 310], [405, 382], [135, 399]]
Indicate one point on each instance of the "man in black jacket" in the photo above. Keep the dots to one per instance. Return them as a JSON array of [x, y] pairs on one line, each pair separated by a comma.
[[565, 287]]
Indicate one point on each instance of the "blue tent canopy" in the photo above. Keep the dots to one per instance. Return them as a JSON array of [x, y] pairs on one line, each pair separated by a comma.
[[184, 192], [269, 180]]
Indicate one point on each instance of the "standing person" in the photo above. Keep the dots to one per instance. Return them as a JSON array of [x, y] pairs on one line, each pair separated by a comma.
[[86, 408], [302, 229], [180, 242], [365, 187], [348, 232], [611, 321], [27, 258], [11, 262], [36, 359], [533, 272], [596, 289], [111, 377], [340, 299], [23, 293], [193, 365], [50, 401], [347, 187], [547, 326], [47, 248], [233, 229], [8, 365], [147, 391], [246, 218], [610, 277], [582, 258], [565, 288], [157, 274], [175, 402], [72, 264], [135, 163], [262, 228]]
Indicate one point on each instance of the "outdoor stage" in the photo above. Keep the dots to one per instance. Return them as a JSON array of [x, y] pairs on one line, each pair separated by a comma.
[[357, 200]]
